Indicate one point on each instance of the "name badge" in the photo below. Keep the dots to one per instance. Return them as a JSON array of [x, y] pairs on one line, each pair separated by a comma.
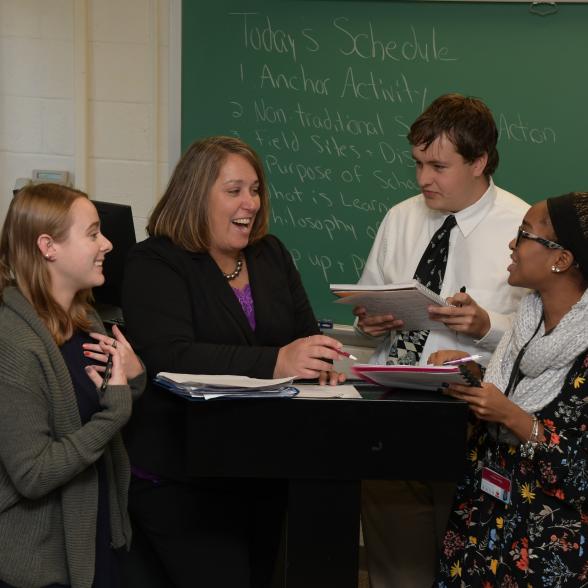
[[496, 484]]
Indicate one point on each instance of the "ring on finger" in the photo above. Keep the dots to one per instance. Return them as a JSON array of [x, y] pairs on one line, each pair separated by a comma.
[[114, 343]]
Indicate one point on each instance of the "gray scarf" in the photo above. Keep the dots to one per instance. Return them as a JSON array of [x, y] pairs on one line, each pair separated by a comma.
[[547, 359]]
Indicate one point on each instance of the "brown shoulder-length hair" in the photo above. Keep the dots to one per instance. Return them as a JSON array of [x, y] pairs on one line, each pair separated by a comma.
[[181, 214], [468, 124], [36, 210]]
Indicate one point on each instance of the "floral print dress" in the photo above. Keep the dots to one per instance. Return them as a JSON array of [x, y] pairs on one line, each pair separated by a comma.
[[540, 538]]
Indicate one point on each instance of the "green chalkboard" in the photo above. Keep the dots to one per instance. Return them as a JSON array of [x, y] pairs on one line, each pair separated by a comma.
[[325, 91]]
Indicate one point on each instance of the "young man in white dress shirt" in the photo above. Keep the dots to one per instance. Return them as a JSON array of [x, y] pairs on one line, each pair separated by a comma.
[[454, 147]]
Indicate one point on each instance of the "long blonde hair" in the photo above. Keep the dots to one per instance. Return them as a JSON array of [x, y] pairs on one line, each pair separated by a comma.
[[181, 214], [35, 210]]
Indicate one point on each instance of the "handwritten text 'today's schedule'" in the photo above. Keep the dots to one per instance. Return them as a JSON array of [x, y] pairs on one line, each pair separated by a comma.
[[328, 107]]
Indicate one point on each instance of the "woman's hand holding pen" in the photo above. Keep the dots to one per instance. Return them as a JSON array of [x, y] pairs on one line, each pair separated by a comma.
[[465, 316], [305, 358], [444, 355], [123, 356], [376, 325], [449, 356], [487, 402]]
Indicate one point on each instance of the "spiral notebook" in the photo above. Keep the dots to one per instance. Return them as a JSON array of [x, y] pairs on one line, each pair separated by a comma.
[[408, 301], [415, 377]]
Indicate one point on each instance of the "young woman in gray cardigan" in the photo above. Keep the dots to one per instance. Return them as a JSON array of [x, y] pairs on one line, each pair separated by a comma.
[[66, 389]]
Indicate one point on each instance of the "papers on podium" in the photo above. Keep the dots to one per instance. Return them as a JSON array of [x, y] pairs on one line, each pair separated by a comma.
[[208, 387], [415, 377], [407, 301]]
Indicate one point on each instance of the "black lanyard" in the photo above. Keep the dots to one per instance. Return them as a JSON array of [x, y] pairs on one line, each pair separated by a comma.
[[516, 376]]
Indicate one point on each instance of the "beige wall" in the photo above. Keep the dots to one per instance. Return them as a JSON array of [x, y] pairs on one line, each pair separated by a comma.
[[84, 88]]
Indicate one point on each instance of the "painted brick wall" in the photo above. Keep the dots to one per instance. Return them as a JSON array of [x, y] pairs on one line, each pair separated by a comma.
[[37, 98]]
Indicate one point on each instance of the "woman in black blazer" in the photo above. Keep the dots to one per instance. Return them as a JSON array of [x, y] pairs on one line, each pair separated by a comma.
[[211, 292]]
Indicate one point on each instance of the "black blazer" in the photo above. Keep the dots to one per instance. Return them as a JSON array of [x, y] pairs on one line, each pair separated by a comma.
[[181, 315]]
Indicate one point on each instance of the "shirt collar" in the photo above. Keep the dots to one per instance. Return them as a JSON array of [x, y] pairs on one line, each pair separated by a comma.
[[468, 218]]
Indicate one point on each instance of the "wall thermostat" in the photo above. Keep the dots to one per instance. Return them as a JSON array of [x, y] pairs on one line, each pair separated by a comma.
[[51, 175]]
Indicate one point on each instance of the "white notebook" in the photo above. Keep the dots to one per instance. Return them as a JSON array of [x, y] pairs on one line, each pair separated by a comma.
[[407, 301]]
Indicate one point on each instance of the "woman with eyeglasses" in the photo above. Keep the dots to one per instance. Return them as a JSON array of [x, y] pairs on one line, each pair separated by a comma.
[[520, 515], [64, 472]]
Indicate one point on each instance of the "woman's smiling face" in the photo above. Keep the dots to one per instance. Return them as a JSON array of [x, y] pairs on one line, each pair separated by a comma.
[[532, 260], [233, 203]]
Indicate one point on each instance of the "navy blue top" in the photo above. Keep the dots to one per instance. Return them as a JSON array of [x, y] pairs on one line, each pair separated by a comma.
[[106, 569]]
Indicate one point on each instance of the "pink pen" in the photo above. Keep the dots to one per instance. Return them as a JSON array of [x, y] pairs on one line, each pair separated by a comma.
[[462, 360], [346, 354]]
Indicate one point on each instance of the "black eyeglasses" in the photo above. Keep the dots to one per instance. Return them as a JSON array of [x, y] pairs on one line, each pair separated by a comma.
[[545, 242]]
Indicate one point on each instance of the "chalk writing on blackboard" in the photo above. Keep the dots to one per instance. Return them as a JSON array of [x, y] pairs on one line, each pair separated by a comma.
[[327, 94]]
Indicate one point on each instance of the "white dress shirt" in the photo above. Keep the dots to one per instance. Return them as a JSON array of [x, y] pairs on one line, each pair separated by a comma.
[[478, 258]]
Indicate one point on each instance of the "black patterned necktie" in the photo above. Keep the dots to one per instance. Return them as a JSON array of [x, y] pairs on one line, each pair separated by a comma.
[[407, 348]]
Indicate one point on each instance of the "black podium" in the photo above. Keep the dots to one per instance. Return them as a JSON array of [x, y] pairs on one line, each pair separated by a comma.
[[324, 448]]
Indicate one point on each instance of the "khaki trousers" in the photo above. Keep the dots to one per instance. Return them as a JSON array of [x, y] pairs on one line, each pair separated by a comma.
[[403, 526]]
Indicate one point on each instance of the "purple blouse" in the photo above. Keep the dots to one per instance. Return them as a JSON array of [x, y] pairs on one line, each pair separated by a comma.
[[245, 299]]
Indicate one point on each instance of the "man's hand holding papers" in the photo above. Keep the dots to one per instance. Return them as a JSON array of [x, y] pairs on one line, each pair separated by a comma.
[[391, 306]]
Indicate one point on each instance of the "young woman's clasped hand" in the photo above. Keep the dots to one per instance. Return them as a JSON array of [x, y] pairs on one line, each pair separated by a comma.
[[125, 363]]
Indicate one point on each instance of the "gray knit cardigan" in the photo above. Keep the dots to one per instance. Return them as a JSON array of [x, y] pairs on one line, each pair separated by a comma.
[[48, 477]]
